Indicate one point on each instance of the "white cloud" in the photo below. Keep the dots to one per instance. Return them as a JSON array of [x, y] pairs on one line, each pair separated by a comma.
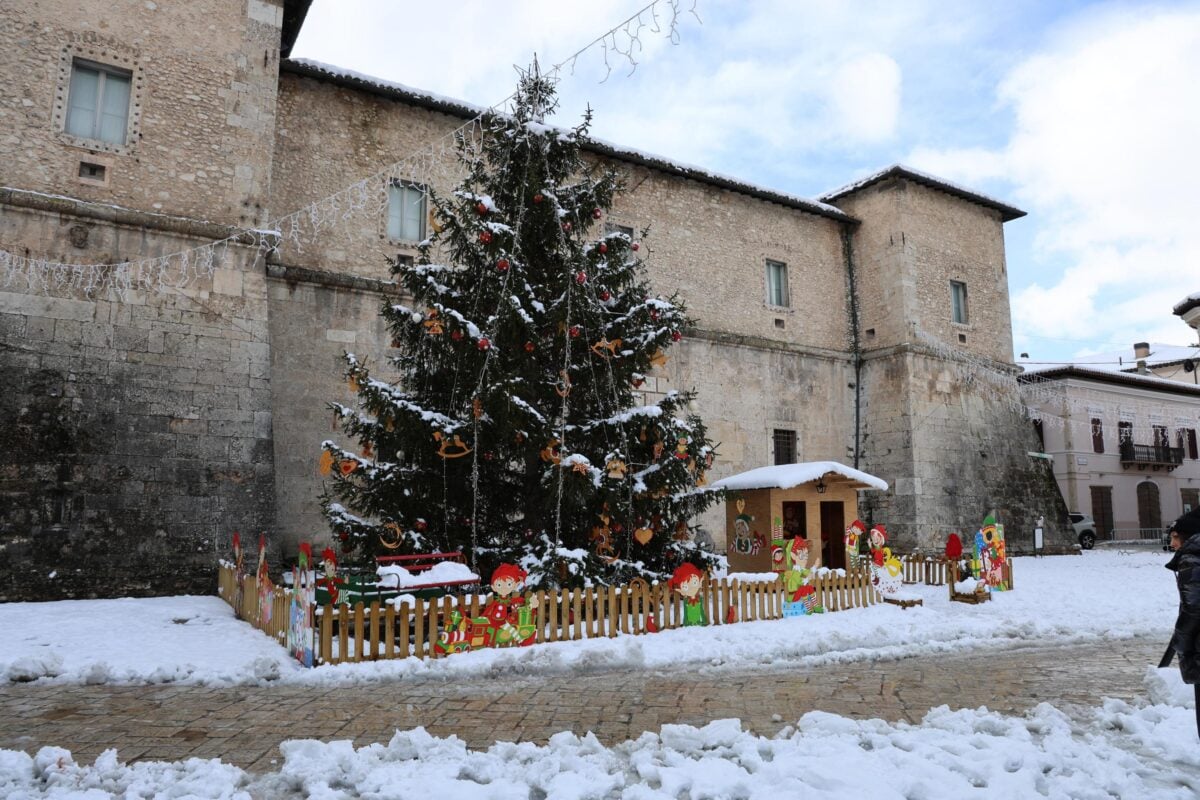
[[865, 97], [1104, 154]]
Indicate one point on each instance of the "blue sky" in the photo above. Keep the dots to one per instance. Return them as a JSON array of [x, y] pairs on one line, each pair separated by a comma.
[[1083, 114]]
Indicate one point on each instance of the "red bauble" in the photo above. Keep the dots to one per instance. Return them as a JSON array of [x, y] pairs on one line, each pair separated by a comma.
[[502, 265], [654, 313], [575, 331], [485, 237], [420, 525], [488, 456], [605, 296], [617, 527], [637, 382], [537, 198], [676, 336], [596, 213], [581, 278], [634, 247], [529, 347], [484, 344], [603, 248], [567, 227], [481, 208], [456, 335], [343, 536]]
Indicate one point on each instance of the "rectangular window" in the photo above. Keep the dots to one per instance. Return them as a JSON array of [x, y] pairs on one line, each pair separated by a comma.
[[785, 446], [777, 284], [1097, 435], [958, 302], [1124, 432], [1193, 452], [1190, 499], [98, 103], [1160, 436], [406, 212], [1040, 430], [1102, 509]]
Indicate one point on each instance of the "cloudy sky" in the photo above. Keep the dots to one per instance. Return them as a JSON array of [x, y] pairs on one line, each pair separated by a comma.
[[1086, 115]]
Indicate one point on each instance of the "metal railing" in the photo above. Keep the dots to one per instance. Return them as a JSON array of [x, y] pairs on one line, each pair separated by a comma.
[[1132, 536], [1154, 455]]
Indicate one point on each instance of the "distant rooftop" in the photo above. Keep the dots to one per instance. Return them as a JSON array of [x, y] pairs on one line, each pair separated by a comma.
[[1187, 304], [1007, 212], [1120, 367]]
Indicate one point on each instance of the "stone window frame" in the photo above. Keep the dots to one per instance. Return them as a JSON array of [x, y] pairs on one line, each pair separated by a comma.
[[966, 303], [101, 56]]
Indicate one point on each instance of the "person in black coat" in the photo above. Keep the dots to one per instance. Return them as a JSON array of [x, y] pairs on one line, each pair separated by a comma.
[[1186, 566]]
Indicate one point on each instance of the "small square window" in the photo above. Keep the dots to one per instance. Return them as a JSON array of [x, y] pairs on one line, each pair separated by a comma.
[[958, 302], [406, 212], [98, 103], [785, 446], [777, 284]]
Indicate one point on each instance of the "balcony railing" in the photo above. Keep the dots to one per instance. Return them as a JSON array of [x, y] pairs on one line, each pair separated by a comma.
[[1150, 455]]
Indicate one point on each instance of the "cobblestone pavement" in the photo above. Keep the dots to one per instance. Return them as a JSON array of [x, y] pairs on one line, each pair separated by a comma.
[[244, 726]]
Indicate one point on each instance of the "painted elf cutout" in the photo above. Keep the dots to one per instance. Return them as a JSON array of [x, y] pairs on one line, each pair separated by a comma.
[[853, 534], [266, 589], [887, 573], [687, 580], [329, 581], [990, 554], [507, 620], [746, 541], [300, 619], [797, 581]]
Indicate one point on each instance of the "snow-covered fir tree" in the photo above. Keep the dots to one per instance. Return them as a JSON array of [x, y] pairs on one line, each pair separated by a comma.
[[510, 427]]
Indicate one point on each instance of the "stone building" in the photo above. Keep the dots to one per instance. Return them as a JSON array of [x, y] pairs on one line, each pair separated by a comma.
[[1121, 431], [161, 402]]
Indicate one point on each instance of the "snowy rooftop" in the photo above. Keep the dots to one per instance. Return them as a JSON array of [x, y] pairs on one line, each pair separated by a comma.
[[1187, 304], [1120, 367], [458, 108], [786, 476], [1007, 212]]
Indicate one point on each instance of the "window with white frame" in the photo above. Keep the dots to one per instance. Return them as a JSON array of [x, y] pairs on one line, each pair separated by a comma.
[[98, 102], [777, 284], [958, 302], [406, 211]]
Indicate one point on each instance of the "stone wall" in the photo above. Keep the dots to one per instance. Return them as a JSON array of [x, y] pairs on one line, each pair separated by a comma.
[[202, 114], [137, 430]]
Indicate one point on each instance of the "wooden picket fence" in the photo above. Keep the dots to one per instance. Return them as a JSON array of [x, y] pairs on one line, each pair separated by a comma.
[[929, 570], [387, 631], [248, 609]]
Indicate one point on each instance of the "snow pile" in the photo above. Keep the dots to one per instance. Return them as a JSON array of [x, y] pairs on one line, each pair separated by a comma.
[[198, 639], [786, 476], [1117, 750], [397, 577], [966, 586]]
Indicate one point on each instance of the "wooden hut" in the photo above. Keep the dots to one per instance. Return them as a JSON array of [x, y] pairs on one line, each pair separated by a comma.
[[768, 506]]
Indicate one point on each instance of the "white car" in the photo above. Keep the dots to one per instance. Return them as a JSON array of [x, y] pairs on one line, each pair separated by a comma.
[[1085, 529]]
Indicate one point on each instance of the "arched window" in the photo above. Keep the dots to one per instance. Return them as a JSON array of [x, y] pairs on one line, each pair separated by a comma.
[[1149, 509]]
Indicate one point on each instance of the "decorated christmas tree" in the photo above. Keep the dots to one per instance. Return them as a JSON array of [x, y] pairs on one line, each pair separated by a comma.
[[511, 426]]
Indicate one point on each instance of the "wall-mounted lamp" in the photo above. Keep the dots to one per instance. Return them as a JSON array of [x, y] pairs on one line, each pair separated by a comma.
[[820, 486]]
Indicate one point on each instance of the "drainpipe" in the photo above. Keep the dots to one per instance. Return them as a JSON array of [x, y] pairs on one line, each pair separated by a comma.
[[852, 290]]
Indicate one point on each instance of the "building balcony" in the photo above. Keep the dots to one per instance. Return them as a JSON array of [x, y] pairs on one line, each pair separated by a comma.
[[1150, 455]]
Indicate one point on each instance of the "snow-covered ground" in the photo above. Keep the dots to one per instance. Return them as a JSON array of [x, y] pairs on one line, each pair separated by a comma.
[[1119, 750]]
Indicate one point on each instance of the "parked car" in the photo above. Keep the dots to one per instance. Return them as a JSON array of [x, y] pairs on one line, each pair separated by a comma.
[[1085, 529]]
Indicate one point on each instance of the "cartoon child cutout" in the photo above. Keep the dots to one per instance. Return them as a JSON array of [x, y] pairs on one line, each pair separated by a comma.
[[507, 614], [886, 570], [264, 582], [797, 581], [329, 581], [687, 580], [853, 534]]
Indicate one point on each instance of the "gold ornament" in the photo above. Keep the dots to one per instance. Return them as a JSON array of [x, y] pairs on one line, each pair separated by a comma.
[[643, 535], [604, 548], [325, 465], [616, 469], [741, 505], [353, 384], [658, 359], [658, 450], [600, 348], [681, 532], [477, 408], [563, 387], [581, 467], [348, 466], [395, 543], [433, 325], [550, 454], [450, 449]]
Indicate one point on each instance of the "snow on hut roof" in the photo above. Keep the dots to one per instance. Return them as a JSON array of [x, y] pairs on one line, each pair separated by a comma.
[[1187, 304], [457, 108], [1007, 212], [786, 476]]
